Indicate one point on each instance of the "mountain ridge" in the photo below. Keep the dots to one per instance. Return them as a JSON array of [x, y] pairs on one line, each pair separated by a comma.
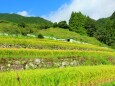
[[15, 18]]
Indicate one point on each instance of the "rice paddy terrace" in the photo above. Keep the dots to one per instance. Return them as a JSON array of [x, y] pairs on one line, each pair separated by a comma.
[[45, 62]]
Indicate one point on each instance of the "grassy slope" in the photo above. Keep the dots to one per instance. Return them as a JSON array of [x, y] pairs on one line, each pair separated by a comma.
[[65, 33]]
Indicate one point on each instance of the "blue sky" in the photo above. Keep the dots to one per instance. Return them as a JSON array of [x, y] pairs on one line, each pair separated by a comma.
[[58, 10], [33, 7]]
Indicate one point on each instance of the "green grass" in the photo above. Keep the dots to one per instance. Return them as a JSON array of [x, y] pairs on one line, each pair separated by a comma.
[[65, 33], [70, 76]]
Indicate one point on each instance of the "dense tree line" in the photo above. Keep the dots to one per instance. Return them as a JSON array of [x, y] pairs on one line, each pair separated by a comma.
[[102, 29]]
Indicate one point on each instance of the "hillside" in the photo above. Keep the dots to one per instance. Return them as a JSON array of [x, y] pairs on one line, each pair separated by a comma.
[[60, 33], [102, 29], [15, 18], [34, 53]]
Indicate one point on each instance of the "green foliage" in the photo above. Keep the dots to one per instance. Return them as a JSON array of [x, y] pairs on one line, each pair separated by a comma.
[[25, 31], [105, 31], [112, 17], [90, 26], [3, 21], [18, 19], [102, 29], [63, 24], [55, 24], [77, 22], [22, 25], [44, 26], [40, 36]]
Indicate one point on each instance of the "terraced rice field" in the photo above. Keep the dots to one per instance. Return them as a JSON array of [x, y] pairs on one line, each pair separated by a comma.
[[34, 43], [44, 62]]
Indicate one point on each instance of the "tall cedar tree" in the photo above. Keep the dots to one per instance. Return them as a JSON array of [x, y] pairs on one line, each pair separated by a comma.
[[77, 22]]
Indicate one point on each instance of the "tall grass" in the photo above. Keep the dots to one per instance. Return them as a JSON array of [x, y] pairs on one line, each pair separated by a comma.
[[71, 76]]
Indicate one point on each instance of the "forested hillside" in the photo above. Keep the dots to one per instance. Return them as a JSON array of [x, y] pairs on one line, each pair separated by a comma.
[[102, 29]]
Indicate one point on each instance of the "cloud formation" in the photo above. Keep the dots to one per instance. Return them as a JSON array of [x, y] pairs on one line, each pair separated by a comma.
[[94, 8], [23, 13]]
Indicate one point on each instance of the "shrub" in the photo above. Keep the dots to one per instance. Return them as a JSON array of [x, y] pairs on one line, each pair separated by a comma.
[[40, 36]]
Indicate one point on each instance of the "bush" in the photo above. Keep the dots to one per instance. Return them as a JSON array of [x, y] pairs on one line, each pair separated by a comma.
[[55, 25], [40, 36], [63, 24], [22, 25]]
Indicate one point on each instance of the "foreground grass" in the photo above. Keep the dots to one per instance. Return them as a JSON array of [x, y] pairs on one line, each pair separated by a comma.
[[70, 76], [109, 84]]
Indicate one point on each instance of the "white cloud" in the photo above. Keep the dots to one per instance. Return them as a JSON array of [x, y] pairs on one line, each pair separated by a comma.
[[94, 8], [23, 13]]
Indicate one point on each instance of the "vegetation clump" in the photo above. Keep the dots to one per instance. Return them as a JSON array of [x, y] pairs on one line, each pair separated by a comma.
[[40, 36]]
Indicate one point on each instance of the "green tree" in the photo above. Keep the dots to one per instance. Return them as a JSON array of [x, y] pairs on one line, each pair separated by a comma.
[[44, 26], [40, 36], [63, 24], [77, 22], [22, 25], [112, 16], [105, 31], [55, 24], [25, 31], [90, 26]]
